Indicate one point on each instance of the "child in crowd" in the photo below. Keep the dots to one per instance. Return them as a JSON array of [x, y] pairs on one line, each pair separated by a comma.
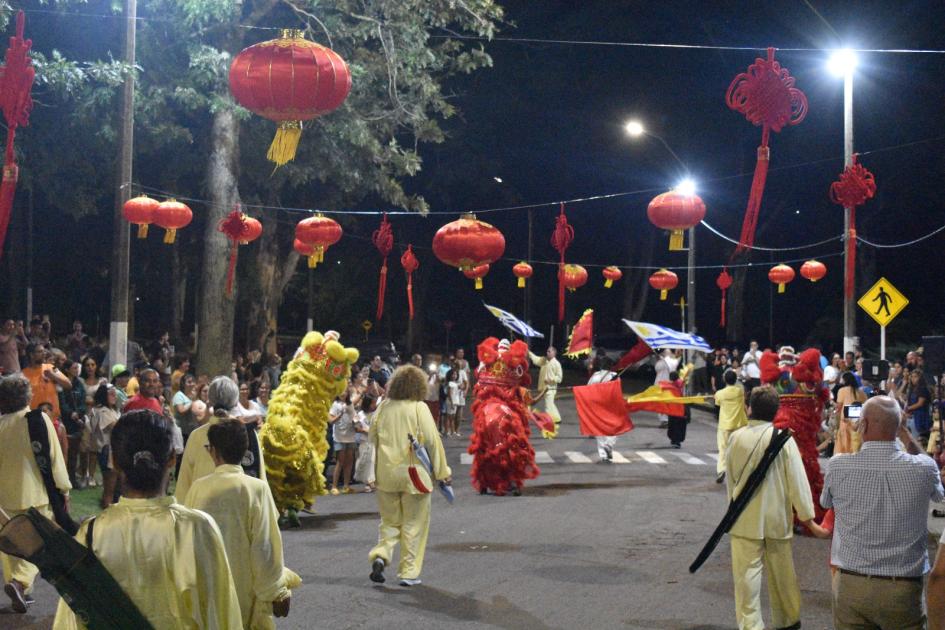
[[452, 395], [364, 470]]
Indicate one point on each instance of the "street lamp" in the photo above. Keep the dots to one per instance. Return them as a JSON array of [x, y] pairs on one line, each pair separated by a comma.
[[686, 187], [842, 63]]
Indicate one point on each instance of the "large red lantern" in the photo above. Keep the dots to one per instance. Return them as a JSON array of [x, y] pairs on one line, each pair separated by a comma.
[[572, 277], [477, 274], [675, 211], [140, 211], [468, 242], [723, 282], [172, 215], [410, 264], [813, 270], [289, 80], [522, 271], [663, 281], [241, 230], [318, 232], [611, 275], [781, 275]]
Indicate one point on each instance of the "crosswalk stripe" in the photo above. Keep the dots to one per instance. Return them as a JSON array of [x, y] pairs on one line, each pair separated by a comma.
[[714, 456], [651, 458], [466, 459], [577, 458], [620, 459], [542, 457], [689, 459]]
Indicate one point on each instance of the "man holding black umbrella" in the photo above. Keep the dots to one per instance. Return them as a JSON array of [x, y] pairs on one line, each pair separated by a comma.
[[21, 482]]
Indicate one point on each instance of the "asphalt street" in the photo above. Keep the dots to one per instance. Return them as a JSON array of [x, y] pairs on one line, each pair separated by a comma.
[[587, 545]]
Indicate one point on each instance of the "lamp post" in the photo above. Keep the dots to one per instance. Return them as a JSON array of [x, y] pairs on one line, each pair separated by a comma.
[[843, 63]]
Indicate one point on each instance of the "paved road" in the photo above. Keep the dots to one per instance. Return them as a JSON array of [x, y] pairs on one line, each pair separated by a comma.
[[587, 545]]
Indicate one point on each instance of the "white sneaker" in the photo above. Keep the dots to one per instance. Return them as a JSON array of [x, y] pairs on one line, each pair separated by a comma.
[[410, 582]]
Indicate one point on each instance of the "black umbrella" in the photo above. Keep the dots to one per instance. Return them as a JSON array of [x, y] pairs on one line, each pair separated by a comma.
[[83, 582]]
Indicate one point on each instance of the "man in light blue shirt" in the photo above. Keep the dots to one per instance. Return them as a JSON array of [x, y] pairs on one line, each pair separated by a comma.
[[880, 497]]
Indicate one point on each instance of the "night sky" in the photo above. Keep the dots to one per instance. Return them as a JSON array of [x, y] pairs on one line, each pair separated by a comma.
[[548, 120]]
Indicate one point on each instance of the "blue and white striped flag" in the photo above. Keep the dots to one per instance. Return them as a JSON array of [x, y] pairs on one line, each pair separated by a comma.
[[658, 337], [513, 323]]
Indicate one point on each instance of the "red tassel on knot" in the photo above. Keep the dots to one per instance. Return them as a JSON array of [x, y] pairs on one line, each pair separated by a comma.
[[561, 240], [855, 186], [410, 264], [240, 229], [723, 282], [383, 239], [766, 96]]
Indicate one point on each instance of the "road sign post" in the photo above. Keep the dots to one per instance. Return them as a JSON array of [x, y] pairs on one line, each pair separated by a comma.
[[882, 343], [883, 302]]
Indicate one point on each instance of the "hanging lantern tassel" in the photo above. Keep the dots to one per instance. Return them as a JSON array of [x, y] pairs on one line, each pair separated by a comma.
[[313, 261], [410, 264], [561, 239], [663, 293], [676, 241], [781, 287], [855, 186], [284, 145], [723, 282], [477, 274], [170, 236], [143, 230], [521, 283], [383, 239]]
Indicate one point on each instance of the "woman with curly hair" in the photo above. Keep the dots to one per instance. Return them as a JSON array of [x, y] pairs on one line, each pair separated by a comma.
[[404, 498]]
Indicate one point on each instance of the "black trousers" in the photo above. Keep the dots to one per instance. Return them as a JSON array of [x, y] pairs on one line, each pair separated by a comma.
[[677, 429]]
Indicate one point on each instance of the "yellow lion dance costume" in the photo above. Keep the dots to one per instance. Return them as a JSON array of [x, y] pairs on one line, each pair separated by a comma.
[[293, 437]]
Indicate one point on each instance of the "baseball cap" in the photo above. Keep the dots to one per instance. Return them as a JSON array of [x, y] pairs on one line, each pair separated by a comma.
[[118, 369]]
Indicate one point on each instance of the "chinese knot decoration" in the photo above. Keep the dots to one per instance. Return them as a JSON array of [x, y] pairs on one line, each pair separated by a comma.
[[781, 275], [663, 281], [477, 274], [723, 282], [140, 211], [172, 215], [318, 233], [241, 230], [813, 270], [611, 275], [855, 186], [561, 239], [522, 271], [675, 212], [410, 264], [467, 244], [383, 239], [766, 96], [16, 85], [289, 80], [572, 277]]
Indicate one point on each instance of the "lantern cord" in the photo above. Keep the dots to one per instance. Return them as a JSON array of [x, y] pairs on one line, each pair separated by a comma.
[[904, 244], [771, 249]]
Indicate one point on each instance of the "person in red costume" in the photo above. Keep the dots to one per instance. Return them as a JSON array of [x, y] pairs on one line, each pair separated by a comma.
[[799, 381], [503, 455]]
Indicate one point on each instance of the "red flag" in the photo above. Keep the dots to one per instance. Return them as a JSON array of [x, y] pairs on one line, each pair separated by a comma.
[[601, 409], [661, 398], [582, 336], [636, 353]]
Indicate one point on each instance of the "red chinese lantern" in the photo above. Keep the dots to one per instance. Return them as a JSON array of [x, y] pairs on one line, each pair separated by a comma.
[[383, 239], [172, 215], [467, 243], [611, 275], [410, 264], [663, 281], [319, 232], [303, 249], [675, 211], [522, 271], [289, 80], [855, 186], [572, 277], [781, 275], [140, 211], [766, 96], [241, 230], [477, 274], [813, 270], [723, 282]]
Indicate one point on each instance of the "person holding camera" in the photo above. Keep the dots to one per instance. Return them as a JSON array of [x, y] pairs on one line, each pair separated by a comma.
[[848, 395]]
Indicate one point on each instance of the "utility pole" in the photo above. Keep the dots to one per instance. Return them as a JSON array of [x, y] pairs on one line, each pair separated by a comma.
[[528, 287], [121, 241], [310, 319], [849, 307], [691, 281]]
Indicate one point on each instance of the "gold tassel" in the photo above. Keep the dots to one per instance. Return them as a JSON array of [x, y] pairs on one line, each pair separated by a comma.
[[312, 261], [170, 235], [142, 230], [781, 287], [663, 294], [521, 283], [676, 240], [478, 284], [283, 147], [608, 283]]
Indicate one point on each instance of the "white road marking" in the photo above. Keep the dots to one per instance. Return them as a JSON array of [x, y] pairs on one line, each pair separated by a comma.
[[577, 458], [620, 459], [651, 458], [714, 456], [542, 457], [689, 459], [466, 459]]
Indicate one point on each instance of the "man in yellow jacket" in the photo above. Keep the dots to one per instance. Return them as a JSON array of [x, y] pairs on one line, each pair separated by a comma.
[[246, 515], [21, 483], [731, 403], [403, 483], [550, 376]]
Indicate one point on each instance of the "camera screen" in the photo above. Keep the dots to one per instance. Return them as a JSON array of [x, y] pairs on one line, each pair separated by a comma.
[[852, 412]]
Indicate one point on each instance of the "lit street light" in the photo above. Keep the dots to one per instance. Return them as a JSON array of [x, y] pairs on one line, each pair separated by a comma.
[[686, 187], [635, 128]]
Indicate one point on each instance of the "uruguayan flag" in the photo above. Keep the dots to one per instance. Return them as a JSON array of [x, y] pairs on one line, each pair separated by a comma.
[[513, 323], [658, 337]]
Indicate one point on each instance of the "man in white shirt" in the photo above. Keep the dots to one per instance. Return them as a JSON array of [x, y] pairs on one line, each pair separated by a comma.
[[665, 364], [549, 377], [761, 537], [750, 367]]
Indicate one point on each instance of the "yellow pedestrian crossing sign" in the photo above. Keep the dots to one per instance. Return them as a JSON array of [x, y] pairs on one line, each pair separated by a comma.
[[883, 302]]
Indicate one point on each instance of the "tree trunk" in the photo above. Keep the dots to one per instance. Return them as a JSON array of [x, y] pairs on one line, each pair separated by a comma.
[[215, 346], [178, 283], [270, 275]]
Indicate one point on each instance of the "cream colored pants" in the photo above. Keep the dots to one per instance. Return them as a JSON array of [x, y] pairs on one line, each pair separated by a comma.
[[17, 569], [549, 405], [721, 440], [862, 602], [749, 558], [405, 519]]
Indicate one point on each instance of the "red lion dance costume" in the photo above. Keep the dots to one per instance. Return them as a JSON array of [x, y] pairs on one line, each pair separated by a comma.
[[799, 381], [503, 455]]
